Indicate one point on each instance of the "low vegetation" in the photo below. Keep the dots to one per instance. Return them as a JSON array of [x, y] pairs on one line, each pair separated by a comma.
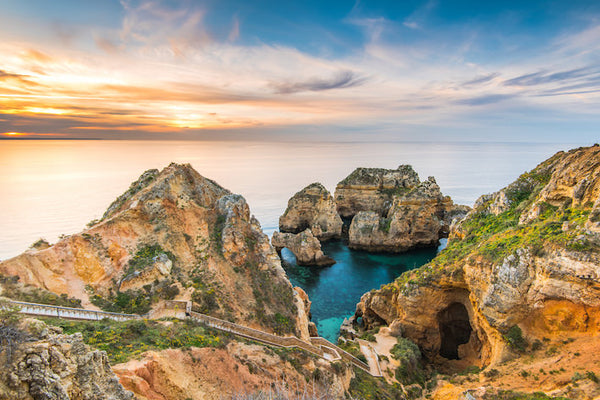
[[494, 237], [14, 290], [124, 341], [511, 395], [515, 339], [409, 356], [10, 334], [367, 387]]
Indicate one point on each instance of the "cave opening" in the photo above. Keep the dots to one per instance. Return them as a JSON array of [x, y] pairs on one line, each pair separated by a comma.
[[455, 329]]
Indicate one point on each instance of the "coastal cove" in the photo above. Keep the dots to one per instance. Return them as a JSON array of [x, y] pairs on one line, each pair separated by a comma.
[[335, 290]]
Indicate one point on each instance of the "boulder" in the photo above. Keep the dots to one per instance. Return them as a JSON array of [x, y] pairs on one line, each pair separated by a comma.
[[305, 247]]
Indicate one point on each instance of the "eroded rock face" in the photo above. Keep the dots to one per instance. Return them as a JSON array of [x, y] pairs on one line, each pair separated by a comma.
[[373, 189], [57, 366], [171, 227], [305, 247], [418, 216], [528, 255], [312, 208], [238, 370]]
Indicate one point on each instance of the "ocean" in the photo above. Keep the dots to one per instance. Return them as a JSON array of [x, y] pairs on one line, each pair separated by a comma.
[[55, 187]]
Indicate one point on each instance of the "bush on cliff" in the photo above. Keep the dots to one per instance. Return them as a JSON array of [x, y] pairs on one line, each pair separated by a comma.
[[409, 355]]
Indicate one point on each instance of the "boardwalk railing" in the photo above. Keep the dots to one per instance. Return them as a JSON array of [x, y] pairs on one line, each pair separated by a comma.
[[318, 346], [70, 313]]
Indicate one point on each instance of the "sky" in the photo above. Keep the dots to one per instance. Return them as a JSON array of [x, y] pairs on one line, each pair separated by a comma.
[[361, 70]]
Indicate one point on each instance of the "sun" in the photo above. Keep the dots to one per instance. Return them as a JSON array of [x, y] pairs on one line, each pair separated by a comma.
[[13, 134]]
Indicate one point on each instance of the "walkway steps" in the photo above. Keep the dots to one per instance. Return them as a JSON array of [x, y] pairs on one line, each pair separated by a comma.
[[317, 346]]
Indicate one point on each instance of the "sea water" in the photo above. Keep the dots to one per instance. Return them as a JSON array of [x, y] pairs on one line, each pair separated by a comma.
[[334, 291]]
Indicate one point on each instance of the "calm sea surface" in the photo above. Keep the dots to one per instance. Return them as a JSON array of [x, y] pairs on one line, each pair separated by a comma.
[[50, 188]]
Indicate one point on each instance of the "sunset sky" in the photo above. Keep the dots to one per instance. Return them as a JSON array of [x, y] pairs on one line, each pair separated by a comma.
[[317, 70]]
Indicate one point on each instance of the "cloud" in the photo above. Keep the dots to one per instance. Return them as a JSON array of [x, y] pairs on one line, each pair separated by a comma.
[[542, 77], [481, 79], [485, 99], [234, 33], [344, 79], [418, 18], [153, 23], [8, 75], [105, 44]]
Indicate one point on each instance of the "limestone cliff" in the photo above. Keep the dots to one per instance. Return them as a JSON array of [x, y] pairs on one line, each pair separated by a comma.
[[305, 247], [173, 233], [393, 211], [51, 365], [312, 208], [372, 189], [237, 371], [525, 259]]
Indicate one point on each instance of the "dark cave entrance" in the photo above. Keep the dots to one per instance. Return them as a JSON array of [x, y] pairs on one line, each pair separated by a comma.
[[455, 329]]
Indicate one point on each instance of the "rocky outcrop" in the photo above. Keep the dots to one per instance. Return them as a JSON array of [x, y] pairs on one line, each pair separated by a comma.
[[312, 208], [172, 227], [305, 247], [526, 256], [373, 189], [159, 269], [56, 366], [393, 211], [239, 371]]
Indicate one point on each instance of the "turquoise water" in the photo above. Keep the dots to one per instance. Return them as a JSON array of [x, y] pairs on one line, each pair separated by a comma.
[[334, 291]]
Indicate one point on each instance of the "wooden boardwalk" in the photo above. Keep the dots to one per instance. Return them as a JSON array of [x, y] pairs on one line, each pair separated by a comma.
[[317, 346]]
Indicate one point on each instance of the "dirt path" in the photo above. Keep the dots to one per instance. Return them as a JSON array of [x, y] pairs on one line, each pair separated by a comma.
[[369, 353]]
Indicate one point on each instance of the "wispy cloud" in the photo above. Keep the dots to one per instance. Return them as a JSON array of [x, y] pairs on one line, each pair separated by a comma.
[[343, 79], [481, 79], [545, 77], [485, 99]]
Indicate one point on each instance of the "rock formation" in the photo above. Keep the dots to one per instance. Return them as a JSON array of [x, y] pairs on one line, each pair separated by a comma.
[[171, 232], [57, 366], [373, 189], [393, 211], [239, 370], [305, 247], [312, 208], [525, 259]]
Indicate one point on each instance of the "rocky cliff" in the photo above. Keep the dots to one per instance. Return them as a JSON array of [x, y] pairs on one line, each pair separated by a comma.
[[373, 189], [520, 273], [50, 365], [173, 233], [312, 208], [237, 371], [393, 211]]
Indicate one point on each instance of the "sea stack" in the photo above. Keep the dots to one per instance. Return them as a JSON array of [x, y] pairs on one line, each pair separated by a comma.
[[393, 211], [312, 208]]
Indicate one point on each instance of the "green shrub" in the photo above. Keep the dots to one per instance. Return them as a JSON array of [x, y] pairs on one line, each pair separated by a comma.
[[409, 355], [145, 256], [515, 338]]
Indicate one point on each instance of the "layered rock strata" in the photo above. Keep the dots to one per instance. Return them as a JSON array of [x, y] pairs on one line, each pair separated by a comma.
[[393, 211], [527, 256], [312, 208]]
